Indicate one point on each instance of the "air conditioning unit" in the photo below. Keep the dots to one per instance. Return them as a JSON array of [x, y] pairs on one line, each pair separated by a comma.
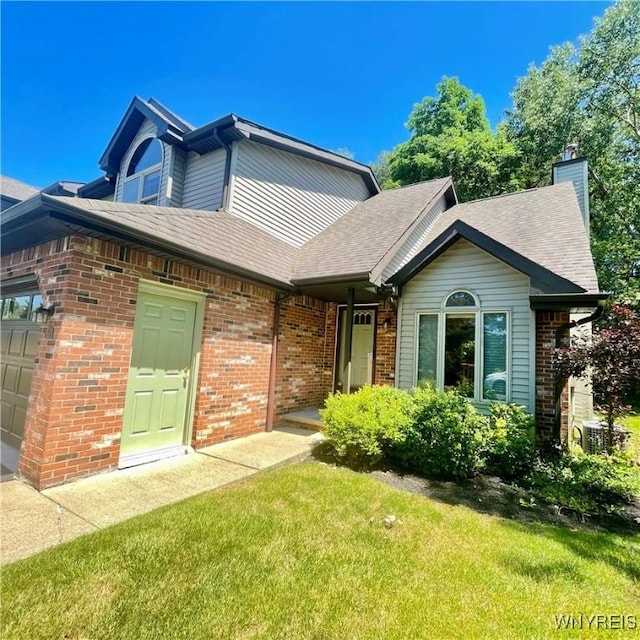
[[594, 436]]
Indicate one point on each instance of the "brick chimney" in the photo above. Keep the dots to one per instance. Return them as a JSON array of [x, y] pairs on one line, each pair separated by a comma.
[[574, 169]]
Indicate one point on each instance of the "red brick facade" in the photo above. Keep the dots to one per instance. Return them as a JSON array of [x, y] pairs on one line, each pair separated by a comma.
[[78, 391], [547, 325], [386, 333], [306, 347], [76, 407]]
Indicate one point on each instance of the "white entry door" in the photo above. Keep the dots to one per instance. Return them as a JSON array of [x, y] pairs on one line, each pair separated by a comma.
[[361, 349]]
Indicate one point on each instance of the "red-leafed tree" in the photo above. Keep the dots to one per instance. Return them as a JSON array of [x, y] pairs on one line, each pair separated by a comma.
[[611, 358]]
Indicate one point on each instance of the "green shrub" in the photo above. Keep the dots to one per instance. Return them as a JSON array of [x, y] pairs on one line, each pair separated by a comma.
[[511, 449], [447, 438], [361, 426], [596, 484]]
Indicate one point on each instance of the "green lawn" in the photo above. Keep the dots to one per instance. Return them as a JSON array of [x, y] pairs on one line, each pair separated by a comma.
[[302, 552]]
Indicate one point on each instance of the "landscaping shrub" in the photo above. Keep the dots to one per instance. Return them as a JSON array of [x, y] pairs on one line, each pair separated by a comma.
[[511, 449], [361, 426], [447, 439], [590, 484]]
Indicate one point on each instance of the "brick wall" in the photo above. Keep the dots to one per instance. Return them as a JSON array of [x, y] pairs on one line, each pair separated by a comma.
[[547, 325], [77, 396], [306, 350], [386, 333]]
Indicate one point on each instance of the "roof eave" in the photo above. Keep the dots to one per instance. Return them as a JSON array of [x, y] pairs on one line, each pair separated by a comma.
[[43, 205], [363, 277], [573, 302], [203, 140]]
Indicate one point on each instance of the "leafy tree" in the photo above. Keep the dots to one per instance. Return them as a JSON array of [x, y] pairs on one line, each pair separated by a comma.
[[590, 94], [382, 171], [450, 135], [611, 358]]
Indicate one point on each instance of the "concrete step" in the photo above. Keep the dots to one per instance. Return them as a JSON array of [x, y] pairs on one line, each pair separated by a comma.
[[307, 418]]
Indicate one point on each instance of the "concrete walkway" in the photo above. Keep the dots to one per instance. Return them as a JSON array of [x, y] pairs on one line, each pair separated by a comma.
[[32, 521]]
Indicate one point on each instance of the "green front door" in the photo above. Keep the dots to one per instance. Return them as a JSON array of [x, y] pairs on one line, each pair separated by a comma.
[[158, 389]]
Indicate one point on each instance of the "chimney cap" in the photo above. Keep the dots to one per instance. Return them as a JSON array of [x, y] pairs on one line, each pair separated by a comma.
[[570, 151]]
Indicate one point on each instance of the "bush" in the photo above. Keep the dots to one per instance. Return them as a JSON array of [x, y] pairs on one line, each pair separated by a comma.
[[362, 426], [510, 450], [447, 439], [596, 484]]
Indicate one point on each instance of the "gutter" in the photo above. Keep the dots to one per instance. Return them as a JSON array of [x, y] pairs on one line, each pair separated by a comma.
[[559, 384]]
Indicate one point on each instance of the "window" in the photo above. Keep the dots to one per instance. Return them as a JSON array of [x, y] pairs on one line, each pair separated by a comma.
[[21, 307], [142, 182], [464, 347]]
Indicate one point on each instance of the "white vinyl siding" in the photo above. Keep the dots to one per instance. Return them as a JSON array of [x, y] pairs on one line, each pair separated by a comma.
[[147, 130], [292, 198], [204, 180], [416, 239], [498, 287]]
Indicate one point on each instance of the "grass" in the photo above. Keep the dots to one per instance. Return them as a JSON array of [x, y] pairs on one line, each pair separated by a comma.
[[633, 424], [303, 552]]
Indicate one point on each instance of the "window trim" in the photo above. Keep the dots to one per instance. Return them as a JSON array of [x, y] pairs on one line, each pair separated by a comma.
[[140, 175], [478, 312]]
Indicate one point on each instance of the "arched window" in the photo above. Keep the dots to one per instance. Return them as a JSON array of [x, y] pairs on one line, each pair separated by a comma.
[[461, 299], [465, 347], [142, 182]]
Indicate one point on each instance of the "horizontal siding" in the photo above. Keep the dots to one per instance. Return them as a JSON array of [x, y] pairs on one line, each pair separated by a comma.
[[415, 240], [292, 198], [177, 171], [147, 129], [575, 172], [204, 180], [498, 286]]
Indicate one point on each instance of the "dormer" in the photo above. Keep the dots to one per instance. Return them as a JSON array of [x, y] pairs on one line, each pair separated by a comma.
[[141, 153]]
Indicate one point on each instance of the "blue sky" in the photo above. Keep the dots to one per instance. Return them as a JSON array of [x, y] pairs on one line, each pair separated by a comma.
[[334, 74]]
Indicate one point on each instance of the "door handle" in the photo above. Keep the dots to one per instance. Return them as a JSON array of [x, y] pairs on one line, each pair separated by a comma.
[[186, 372]]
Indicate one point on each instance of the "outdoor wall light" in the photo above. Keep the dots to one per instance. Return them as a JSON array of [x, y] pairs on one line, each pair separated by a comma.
[[42, 312]]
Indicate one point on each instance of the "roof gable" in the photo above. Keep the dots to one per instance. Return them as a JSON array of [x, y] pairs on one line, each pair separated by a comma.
[[539, 232], [169, 127], [541, 278]]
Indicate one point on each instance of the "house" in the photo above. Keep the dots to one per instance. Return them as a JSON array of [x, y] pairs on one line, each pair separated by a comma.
[[216, 279]]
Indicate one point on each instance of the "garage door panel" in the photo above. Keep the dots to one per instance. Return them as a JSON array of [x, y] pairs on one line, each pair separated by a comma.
[[31, 344], [16, 342], [24, 383], [19, 346], [4, 342], [11, 379]]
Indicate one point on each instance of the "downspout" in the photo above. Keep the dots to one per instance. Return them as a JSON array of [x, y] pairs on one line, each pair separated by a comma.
[[271, 392], [559, 385], [227, 169]]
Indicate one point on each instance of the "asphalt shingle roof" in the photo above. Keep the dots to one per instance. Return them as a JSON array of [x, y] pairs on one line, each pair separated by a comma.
[[15, 189], [215, 234], [544, 225], [360, 239]]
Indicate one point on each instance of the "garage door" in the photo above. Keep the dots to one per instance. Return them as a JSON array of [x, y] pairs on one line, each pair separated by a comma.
[[19, 335]]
